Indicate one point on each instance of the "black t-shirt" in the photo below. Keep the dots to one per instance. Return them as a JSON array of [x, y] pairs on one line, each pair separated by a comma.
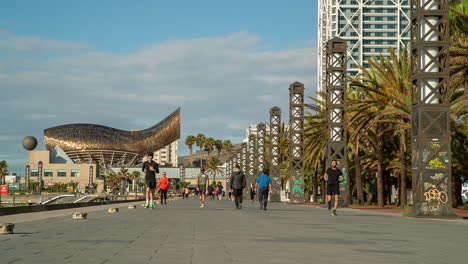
[[146, 168], [333, 175]]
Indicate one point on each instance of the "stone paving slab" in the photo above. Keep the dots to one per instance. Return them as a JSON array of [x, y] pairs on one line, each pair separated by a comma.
[[181, 232]]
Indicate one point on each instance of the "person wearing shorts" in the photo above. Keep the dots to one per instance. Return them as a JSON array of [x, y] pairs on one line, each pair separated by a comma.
[[333, 177], [263, 188], [150, 168], [202, 184]]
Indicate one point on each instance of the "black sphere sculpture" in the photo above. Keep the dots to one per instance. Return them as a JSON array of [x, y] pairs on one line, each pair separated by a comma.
[[29, 143]]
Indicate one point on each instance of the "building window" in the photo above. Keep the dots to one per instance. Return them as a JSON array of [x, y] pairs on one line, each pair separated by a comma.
[[61, 173], [75, 173], [34, 173], [48, 173]]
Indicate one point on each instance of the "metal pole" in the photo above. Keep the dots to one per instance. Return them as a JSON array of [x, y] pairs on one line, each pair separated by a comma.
[[296, 127], [28, 175], [336, 107], [275, 153], [91, 172], [432, 186]]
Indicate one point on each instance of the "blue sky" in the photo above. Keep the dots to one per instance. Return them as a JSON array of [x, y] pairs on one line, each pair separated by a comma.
[[127, 64], [122, 26]]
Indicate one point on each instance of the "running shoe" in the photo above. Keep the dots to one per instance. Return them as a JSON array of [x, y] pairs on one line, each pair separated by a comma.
[[152, 206], [334, 213], [146, 205]]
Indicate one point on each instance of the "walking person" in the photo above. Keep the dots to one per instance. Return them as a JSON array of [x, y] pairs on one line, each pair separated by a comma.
[[263, 187], [202, 184], [252, 192], [149, 169], [220, 191], [333, 177], [238, 184], [163, 185]]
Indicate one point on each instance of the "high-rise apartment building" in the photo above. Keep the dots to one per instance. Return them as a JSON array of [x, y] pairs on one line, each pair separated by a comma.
[[168, 154], [369, 26]]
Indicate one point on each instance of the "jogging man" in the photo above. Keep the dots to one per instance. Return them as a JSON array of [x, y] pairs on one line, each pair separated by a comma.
[[263, 187], [162, 188], [202, 183], [333, 177], [238, 184], [150, 168]]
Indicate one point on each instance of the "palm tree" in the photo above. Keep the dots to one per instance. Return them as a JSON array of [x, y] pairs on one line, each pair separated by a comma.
[[209, 145], [228, 147], [213, 167], [389, 79], [315, 138], [112, 180], [3, 173], [219, 146], [190, 141], [133, 177], [200, 142], [124, 177]]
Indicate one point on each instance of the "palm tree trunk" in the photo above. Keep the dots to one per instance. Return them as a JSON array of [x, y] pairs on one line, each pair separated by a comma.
[[190, 157], [380, 187], [348, 186], [314, 194], [403, 201], [357, 174]]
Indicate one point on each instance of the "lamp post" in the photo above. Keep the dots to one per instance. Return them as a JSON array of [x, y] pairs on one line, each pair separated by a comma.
[[275, 154], [40, 169], [431, 153], [296, 150], [336, 107]]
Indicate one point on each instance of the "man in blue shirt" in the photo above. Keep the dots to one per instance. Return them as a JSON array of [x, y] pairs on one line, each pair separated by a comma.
[[263, 187]]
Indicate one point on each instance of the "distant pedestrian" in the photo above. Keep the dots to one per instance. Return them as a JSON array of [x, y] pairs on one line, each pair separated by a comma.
[[263, 187], [163, 185], [202, 184], [333, 177], [252, 192], [150, 168], [238, 184], [187, 192], [220, 191]]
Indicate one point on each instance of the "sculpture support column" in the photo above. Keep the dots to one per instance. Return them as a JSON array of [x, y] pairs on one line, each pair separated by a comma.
[[261, 128], [252, 159]]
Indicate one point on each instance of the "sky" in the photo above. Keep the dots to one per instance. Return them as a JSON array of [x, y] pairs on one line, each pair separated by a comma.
[[128, 64]]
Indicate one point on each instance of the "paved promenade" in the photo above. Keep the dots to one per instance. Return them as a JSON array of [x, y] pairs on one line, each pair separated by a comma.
[[181, 232]]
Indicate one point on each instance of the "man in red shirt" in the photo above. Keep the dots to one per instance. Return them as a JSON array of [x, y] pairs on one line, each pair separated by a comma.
[[162, 187]]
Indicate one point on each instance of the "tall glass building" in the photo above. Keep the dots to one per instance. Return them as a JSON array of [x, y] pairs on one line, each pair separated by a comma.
[[369, 26]]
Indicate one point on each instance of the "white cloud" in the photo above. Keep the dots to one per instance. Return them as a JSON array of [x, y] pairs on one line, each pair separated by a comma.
[[36, 44], [222, 84]]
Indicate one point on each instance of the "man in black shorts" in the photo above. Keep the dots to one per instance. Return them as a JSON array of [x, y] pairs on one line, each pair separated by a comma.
[[333, 177], [150, 168]]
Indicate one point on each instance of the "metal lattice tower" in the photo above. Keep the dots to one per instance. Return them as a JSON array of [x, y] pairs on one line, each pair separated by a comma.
[[244, 158], [90, 179], [432, 192], [296, 126], [28, 176], [261, 130], [275, 154], [369, 26], [40, 171], [252, 158], [336, 106], [239, 158]]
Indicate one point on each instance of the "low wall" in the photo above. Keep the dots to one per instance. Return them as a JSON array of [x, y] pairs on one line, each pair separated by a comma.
[[51, 207]]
